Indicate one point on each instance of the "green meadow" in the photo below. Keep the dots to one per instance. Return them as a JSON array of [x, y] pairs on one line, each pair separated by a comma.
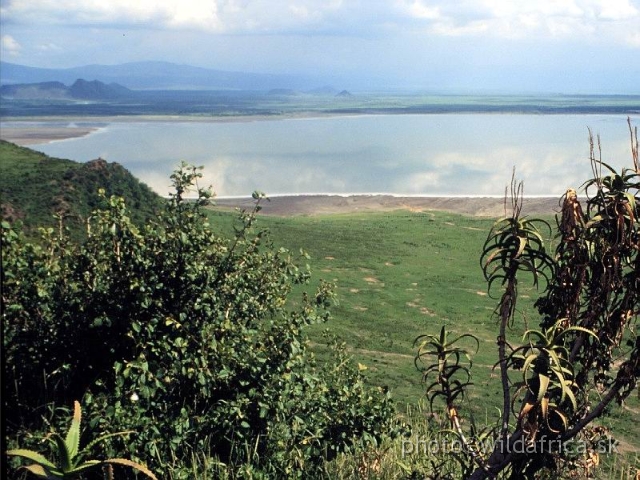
[[402, 274]]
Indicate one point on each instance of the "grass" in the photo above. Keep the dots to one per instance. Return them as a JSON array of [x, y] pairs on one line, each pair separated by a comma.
[[398, 275], [403, 274]]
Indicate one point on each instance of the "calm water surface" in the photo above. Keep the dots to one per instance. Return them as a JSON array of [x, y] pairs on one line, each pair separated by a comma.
[[446, 154]]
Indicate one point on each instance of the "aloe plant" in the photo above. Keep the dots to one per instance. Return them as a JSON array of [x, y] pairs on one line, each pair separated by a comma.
[[71, 463], [586, 353]]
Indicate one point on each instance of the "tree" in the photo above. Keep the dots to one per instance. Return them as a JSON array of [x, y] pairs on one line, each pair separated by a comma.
[[584, 356], [186, 337]]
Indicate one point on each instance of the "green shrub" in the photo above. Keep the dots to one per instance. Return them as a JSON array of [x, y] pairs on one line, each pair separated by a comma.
[[188, 338]]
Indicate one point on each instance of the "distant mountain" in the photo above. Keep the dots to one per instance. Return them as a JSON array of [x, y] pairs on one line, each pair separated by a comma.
[[80, 90], [344, 94], [96, 90], [155, 76], [34, 187]]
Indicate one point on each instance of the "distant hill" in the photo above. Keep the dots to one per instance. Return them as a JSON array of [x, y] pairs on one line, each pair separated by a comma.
[[80, 90], [96, 90], [155, 76], [34, 187]]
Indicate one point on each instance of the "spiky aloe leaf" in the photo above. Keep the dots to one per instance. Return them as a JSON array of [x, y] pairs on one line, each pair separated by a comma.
[[131, 464], [86, 466], [526, 408], [72, 440], [575, 329], [66, 462], [33, 456], [527, 363], [39, 471], [102, 438], [544, 385], [544, 408]]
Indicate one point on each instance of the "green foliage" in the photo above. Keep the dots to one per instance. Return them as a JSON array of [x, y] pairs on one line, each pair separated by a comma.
[[448, 368], [35, 188], [71, 463], [184, 337], [514, 244], [589, 314]]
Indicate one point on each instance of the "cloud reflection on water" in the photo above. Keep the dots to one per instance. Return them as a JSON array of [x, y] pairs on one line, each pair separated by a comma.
[[452, 154]]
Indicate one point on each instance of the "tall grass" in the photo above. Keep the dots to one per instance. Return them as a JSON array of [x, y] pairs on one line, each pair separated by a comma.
[[396, 459]]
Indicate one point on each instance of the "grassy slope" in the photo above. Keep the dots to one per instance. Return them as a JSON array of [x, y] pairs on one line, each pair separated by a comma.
[[34, 187], [403, 274]]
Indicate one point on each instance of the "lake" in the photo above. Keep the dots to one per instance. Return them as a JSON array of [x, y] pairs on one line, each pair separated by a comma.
[[438, 154]]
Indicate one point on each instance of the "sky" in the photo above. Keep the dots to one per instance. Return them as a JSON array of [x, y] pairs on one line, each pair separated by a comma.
[[476, 46]]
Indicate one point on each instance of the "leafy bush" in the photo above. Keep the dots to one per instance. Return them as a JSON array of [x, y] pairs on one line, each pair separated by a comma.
[[186, 337]]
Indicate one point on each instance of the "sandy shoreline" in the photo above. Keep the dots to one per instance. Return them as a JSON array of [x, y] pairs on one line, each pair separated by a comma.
[[30, 134], [333, 204], [25, 136]]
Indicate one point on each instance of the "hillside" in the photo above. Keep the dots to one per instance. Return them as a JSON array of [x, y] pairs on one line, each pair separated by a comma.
[[80, 90], [35, 187]]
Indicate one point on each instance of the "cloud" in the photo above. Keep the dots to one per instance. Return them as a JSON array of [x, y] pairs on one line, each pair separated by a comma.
[[161, 13], [575, 19], [617, 10], [501, 18], [419, 182], [10, 46], [371, 39], [223, 16], [48, 47], [634, 40]]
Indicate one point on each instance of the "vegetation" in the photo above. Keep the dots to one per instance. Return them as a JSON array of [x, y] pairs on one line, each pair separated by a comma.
[[587, 352], [393, 278], [71, 457], [41, 191], [185, 338]]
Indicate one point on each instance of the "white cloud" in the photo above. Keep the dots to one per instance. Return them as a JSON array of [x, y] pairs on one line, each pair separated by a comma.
[[225, 16], [10, 46], [595, 20], [161, 13], [587, 22], [617, 10], [49, 47], [418, 9], [634, 40], [419, 182]]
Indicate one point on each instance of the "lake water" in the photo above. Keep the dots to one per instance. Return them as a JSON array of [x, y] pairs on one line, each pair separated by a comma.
[[442, 154]]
